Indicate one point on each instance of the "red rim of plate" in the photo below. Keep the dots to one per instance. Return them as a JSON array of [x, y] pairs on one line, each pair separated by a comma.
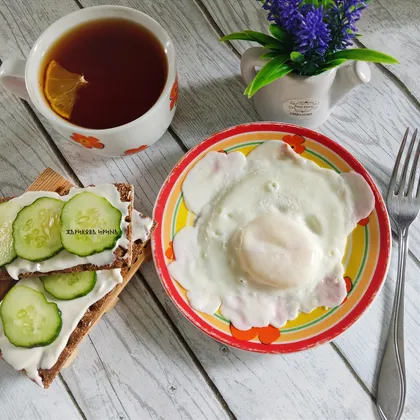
[[378, 276]]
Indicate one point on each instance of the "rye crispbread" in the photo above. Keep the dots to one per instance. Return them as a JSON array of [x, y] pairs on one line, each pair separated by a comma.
[[49, 180], [122, 256], [93, 315], [140, 252]]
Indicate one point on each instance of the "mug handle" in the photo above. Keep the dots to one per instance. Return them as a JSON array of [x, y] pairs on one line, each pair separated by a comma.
[[249, 61], [12, 77]]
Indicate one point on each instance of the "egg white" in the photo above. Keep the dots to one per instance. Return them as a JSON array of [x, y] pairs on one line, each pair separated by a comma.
[[269, 236]]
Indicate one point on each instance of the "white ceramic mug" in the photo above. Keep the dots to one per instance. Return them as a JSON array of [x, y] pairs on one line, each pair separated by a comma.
[[23, 79]]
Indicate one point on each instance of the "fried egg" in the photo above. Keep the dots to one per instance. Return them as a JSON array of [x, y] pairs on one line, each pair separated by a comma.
[[269, 235]]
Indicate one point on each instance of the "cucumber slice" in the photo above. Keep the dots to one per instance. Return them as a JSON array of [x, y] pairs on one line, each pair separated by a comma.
[[8, 212], [29, 320], [89, 224], [71, 285], [36, 230]]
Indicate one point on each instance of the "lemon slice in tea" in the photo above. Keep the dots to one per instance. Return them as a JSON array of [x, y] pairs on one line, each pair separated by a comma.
[[61, 88]]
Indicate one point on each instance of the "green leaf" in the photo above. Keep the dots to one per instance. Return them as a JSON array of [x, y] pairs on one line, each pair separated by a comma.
[[276, 47], [363, 54], [268, 76], [297, 57], [259, 37], [273, 70], [236, 36], [333, 63], [269, 55], [319, 3], [263, 39], [278, 33]]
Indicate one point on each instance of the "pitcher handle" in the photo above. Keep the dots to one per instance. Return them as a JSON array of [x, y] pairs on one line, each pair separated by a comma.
[[249, 61], [12, 77]]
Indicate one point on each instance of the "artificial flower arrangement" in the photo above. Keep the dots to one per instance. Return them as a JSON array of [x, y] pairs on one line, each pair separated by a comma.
[[308, 37]]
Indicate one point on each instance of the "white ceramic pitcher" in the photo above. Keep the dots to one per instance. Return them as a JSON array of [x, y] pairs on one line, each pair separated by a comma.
[[302, 100]]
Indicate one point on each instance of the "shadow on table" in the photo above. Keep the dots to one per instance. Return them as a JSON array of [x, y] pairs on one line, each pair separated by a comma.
[[207, 108]]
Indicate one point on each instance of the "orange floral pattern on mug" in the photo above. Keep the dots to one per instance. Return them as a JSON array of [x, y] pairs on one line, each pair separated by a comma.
[[135, 150], [87, 141], [295, 142], [174, 94]]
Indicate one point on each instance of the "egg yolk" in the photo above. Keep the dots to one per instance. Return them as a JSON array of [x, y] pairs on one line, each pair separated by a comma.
[[277, 251]]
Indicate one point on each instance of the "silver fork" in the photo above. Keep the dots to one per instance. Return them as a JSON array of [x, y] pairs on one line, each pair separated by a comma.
[[403, 202]]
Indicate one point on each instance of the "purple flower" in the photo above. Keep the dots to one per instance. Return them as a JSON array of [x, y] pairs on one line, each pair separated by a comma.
[[304, 23], [312, 36], [284, 13], [315, 31], [341, 18]]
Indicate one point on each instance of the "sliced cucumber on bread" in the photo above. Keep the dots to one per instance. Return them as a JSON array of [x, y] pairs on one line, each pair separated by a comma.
[[69, 286], [89, 224], [36, 230], [29, 320], [8, 212]]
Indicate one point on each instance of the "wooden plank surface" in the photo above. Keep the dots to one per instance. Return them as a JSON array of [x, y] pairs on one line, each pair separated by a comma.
[[393, 26], [106, 393], [366, 339], [24, 152], [370, 122], [282, 373], [20, 399], [210, 99], [315, 384], [146, 172], [106, 171], [145, 364]]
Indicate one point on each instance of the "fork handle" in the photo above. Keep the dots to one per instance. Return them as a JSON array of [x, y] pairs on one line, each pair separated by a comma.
[[392, 379]]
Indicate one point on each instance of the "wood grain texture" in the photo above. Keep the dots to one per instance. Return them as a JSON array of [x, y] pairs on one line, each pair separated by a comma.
[[366, 339], [50, 180], [315, 384], [243, 404], [132, 339], [371, 121], [272, 406], [24, 153], [210, 99], [20, 399], [21, 24], [369, 124], [393, 26], [105, 394], [94, 391]]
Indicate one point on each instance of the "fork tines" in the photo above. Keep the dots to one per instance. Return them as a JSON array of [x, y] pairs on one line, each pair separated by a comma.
[[398, 183]]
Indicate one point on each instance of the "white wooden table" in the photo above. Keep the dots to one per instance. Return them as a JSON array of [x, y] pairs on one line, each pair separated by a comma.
[[144, 360]]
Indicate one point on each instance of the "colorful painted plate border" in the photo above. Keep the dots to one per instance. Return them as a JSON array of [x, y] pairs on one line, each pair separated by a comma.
[[380, 271]]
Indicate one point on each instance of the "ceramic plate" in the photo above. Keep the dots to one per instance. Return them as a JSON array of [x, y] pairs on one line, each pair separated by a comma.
[[366, 259]]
